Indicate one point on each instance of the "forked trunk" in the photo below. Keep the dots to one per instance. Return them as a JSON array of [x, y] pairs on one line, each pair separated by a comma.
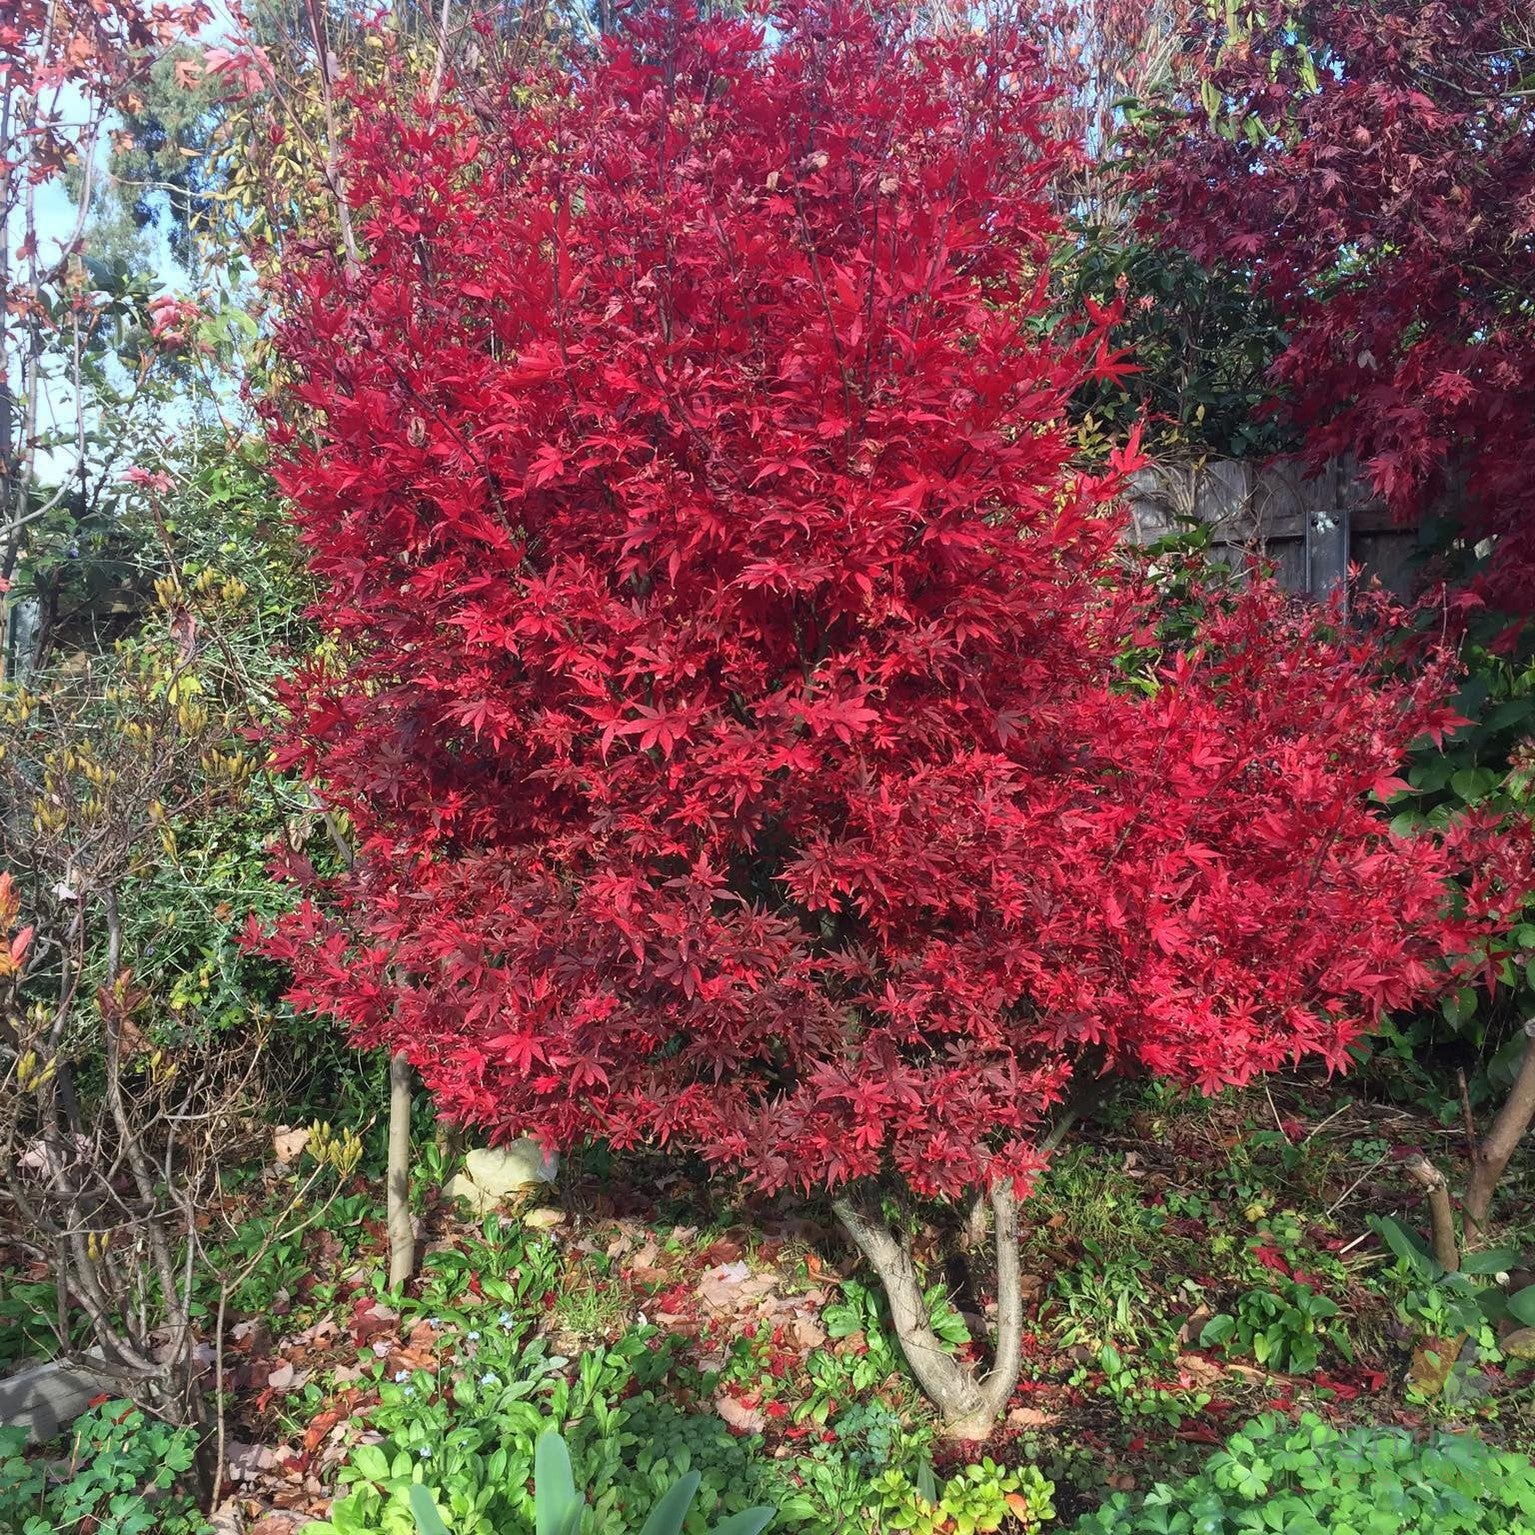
[[968, 1403], [1501, 1141]]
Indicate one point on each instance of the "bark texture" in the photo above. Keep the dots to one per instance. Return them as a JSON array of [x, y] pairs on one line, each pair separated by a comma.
[[1441, 1213], [1501, 1140], [968, 1403], [402, 1234]]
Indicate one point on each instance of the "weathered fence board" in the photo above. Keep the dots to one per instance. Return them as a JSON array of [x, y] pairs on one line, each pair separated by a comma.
[[1310, 528]]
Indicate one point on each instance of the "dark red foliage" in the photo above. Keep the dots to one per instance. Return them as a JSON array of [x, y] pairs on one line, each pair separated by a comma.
[[1386, 206], [730, 695]]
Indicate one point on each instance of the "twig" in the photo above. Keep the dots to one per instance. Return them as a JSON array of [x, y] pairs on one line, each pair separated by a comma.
[[1467, 1118]]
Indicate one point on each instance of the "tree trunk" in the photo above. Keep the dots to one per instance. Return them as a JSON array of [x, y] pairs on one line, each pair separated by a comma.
[[1441, 1213], [402, 1235], [1502, 1140], [968, 1405]]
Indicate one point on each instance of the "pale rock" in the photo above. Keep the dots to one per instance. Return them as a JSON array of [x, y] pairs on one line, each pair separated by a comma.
[[491, 1173]]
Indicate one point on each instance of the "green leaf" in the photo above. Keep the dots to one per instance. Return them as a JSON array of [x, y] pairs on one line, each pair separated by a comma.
[[424, 1507], [1512, 711], [1217, 1330], [1408, 1246], [1308, 70], [927, 1485], [667, 1516], [1460, 1007], [1521, 1305], [371, 1462], [750, 1522], [1496, 1261], [1429, 777], [557, 1509], [1473, 784]]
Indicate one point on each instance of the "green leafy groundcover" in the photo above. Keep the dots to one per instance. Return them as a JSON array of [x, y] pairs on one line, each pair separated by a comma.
[[121, 1476], [1313, 1479]]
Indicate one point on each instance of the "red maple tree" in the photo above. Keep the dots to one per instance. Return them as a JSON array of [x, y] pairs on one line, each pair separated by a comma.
[[756, 737], [1371, 164]]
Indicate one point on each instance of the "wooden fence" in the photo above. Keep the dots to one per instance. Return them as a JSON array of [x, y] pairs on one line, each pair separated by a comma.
[[1310, 528]]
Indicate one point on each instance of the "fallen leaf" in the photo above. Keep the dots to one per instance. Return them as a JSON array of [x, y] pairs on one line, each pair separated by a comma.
[[282, 1377], [740, 1417], [422, 1337], [323, 1329], [288, 1142], [733, 1288], [322, 1423], [225, 1519], [1031, 1417], [808, 1333], [1432, 1362], [1198, 1370], [246, 1462], [413, 1359], [276, 1524], [369, 1319], [543, 1219]]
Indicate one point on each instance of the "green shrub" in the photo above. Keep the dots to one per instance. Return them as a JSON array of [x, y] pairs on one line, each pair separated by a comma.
[[471, 1442], [981, 1498], [120, 1479], [1313, 1479], [560, 1510], [1282, 1327]]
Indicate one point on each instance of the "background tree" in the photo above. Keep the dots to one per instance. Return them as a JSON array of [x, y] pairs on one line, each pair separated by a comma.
[[68, 410], [1371, 164]]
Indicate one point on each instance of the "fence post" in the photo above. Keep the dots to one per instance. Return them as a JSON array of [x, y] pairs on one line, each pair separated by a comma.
[[1327, 535]]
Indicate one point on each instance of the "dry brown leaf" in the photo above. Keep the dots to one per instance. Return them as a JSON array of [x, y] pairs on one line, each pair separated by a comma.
[[808, 1333], [1031, 1417], [740, 1417]]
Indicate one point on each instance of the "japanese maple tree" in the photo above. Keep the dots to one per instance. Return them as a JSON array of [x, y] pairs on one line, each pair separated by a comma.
[[1371, 164], [755, 736]]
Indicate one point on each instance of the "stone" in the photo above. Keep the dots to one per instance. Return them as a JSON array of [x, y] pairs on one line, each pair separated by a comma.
[[1520, 1343], [492, 1173]]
